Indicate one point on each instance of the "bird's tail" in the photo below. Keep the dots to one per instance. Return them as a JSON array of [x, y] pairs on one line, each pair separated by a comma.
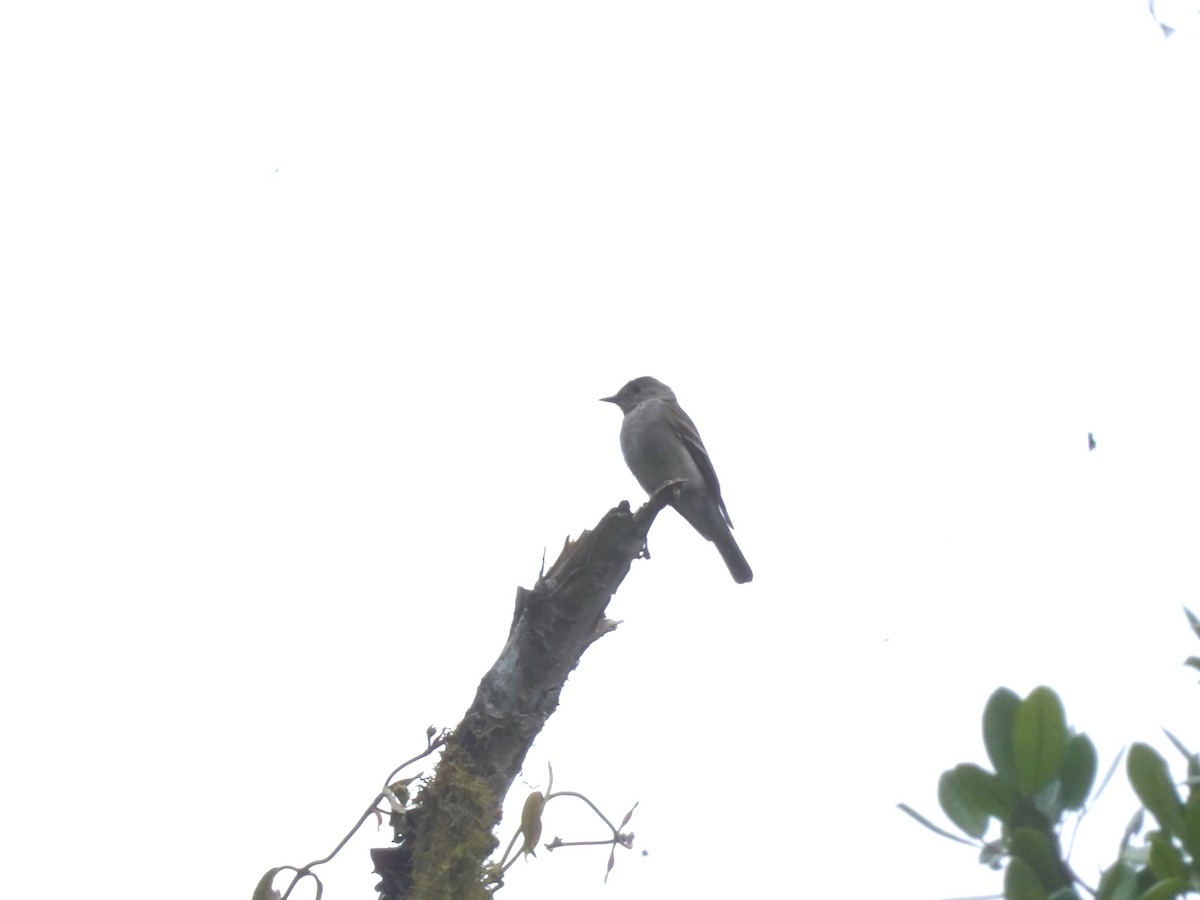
[[734, 561]]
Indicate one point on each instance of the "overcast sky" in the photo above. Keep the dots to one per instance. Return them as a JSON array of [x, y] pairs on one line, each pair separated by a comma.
[[306, 309]]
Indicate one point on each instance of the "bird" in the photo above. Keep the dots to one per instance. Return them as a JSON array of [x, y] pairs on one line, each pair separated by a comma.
[[660, 443], [1091, 442]]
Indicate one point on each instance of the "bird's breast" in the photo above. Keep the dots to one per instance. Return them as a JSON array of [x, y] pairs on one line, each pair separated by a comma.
[[653, 450]]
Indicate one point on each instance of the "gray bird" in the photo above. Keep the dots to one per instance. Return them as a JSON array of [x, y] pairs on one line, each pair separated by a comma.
[[660, 443]]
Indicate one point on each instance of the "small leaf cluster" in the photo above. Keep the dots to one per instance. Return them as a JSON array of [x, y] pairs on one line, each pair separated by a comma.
[[1171, 867], [1043, 772], [1167, 865]]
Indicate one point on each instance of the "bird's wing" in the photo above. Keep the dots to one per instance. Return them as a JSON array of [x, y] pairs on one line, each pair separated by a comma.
[[691, 440]]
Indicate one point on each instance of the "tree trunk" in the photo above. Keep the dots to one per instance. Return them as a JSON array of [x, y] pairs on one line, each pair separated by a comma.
[[446, 835]]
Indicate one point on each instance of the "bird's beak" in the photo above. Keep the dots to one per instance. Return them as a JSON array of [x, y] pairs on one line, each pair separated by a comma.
[[608, 399]]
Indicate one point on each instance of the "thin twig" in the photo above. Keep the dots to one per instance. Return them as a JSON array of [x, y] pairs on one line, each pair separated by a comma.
[[303, 871]]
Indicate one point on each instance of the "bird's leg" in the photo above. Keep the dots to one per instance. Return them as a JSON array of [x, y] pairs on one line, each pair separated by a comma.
[[662, 495]]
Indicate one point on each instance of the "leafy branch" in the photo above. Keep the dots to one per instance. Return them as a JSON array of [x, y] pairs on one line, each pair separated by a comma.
[[1042, 776]]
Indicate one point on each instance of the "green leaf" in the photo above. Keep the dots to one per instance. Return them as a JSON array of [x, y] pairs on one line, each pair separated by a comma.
[[1166, 890], [1178, 744], [1191, 825], [1165, 859], [961, 803], [1078, 771], [1152, 783], [904, 807], [998, 717], [1039, 739], [1192, 620], [1118, 883], [1065, 893], [1109, 774], [1193, 661], [1040, 852], [1022, 883], [987, 791]]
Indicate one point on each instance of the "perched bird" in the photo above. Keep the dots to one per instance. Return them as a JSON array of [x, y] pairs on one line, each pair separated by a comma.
[[661, 444], [1091, 442]]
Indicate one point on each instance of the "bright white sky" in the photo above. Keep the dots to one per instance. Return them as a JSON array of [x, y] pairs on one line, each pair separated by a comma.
[[306, 309]]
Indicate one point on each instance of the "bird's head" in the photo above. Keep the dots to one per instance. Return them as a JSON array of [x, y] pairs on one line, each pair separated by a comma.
[[639, 390]]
